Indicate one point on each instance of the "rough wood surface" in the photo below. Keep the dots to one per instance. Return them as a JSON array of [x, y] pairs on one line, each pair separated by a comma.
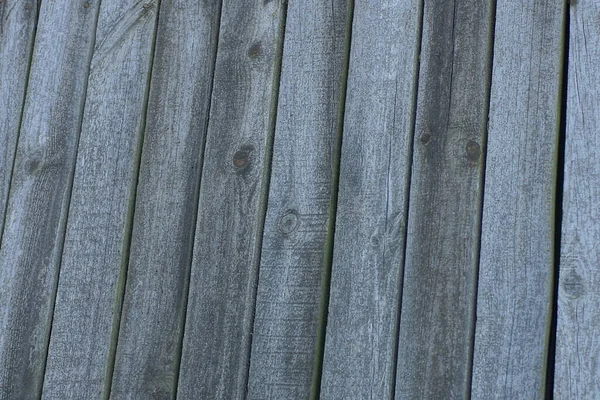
[[233, 188], [578, 330], [292, 256], [36, 210], [360, 347], [17, 30], [445, 202], [147, 358], [514, 300], [97, 233]]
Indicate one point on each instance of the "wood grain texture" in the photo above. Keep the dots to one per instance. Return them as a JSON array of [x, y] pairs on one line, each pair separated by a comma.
[[233, 188], [17, 31], [577, 365], [292, 256], [37, 207], [514, 300], [445, 202], [95, 249], [147, 358], [360, 347]]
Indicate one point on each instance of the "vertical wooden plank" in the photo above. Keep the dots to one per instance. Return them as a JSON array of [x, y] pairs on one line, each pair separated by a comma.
[[95, 249], [292, 256], [17, 31], [216, 344], [514, 300], [147, 359], [578, 330], [36, 211], [445, 202], [360, 347]]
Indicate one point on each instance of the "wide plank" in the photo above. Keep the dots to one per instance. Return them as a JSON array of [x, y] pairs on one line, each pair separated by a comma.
[[88, 298], [39, 194], [17, 31], [286, 322], [147, 358], [578, 329], [216, 347], [514, 300], [445, 201], [360, 344]]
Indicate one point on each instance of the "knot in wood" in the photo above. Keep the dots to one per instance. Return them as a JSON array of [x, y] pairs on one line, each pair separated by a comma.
[[255, 50], [573, 286], [425, 138], [288, 222]]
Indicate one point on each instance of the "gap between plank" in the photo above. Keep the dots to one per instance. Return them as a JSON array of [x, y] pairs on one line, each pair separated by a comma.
[[330, 237], [482, 194], [63, 224], [558, 204], [264, 193], [24, 98], [186, 287], [122, 279], [407, 199]]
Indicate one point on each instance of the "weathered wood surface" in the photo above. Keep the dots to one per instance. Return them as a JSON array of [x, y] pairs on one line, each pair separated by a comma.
[[577, 369], [284, 341], [445, 202], [214, 363], [147, 358], [39, 193], [361, 335], [88, 299], [17, 31], [514, 301]]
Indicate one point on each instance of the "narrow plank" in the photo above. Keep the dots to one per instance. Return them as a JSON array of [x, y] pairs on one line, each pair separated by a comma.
[[215, 351], [514, 300], [39, 194], [95, 248], [445, 202], [360, 345], [147, 358], [578, 329], [284, 341], [17, 31]]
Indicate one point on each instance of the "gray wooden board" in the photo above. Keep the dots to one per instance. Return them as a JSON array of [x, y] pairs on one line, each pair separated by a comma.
[[359, 359], [17, 30], [445, 202], [514, 300], [97, 230], [36, 211], [284, 340], [577, 368], [232, 194], [147, 358]]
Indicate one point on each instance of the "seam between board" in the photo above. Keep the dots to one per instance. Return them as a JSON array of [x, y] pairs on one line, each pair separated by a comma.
[[558, 202], [23, 101], [264, 196], [330, 236], [67, 206], [122, 279], [409, 153], [482, 172], [186, 288]]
